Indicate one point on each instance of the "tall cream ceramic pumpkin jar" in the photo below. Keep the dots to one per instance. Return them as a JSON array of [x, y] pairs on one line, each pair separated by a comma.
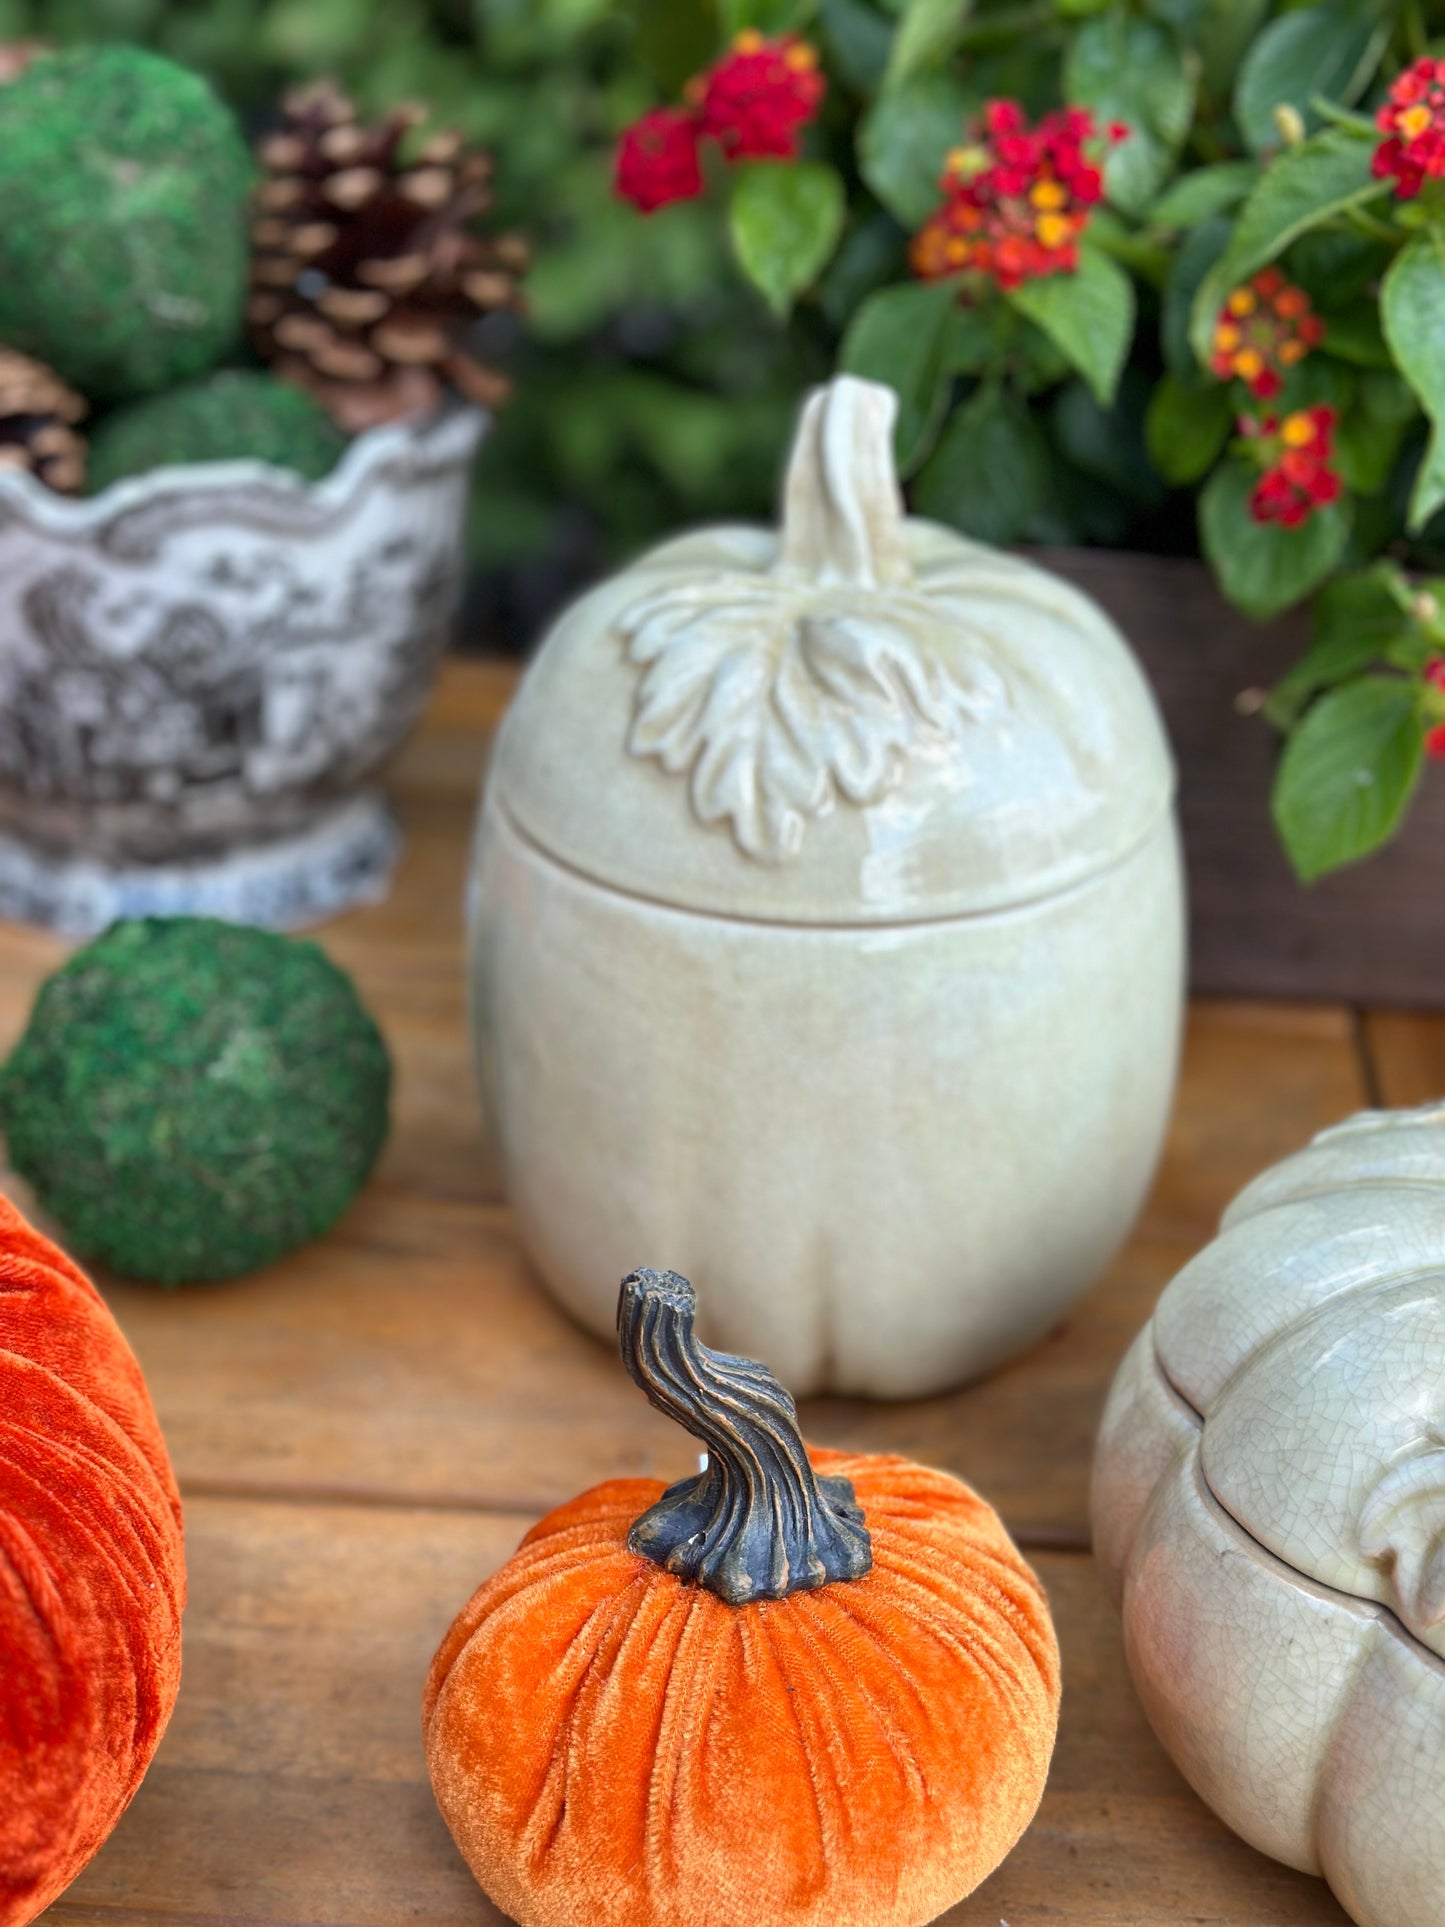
[[827, 934]]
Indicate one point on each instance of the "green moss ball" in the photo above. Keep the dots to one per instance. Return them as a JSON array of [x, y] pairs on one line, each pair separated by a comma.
[[239, 413], [192, 1099], [123, 220]]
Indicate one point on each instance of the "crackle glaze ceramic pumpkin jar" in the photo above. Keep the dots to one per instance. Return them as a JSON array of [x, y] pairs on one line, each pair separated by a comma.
[[827, 932], [1269, 1504], [800, 1688]]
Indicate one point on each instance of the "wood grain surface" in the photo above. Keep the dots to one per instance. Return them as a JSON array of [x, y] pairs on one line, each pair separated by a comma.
[[364, 1432]]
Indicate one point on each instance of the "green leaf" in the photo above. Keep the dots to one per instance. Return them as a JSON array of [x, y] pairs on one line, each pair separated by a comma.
[[978, 338], [1342, 263], [1365, 452], [989, 473], [1201, 248], [1412, 308], [1347, 773], [901, 336], [1355, 334], [928, 30], [1207, 191], [1143, 253], [1330, 50], [1263, 567], [1316, 381], [1187, 426], [1306, 186], [1386, 397], [786, 217], [858, 41], [872, 255], [903, 141], [1107, 444], [1133, 71], [1226, 29], [1088, 315], [670, 43], [768, 16], [1357, 619]]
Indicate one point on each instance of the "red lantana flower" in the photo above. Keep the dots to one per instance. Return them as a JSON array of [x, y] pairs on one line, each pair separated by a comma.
[[657, 160], [755, 103], [1413, 122], [1016, 199], [1295, 454], [1264, 329], [1435, 734], [757, 100]]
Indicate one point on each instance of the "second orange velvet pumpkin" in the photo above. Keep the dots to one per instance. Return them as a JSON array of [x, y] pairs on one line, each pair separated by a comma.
[[807, 1689]]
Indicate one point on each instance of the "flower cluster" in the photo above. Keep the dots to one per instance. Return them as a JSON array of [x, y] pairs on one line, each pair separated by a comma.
[[755, 103], [1016, 199], [658, 160], [1264, 329], [1295, 456], [1413, 123]]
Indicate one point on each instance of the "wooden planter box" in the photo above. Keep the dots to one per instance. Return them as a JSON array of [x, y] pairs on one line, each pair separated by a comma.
[[1371, 934]]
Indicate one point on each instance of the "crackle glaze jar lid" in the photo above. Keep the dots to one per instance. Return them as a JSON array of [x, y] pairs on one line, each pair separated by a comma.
[[859, 718], [1310, 1340]]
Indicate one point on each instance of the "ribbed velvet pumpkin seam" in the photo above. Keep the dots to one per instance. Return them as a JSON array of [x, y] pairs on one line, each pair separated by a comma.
[[120, 1511], [982, 1652], [147, 1698], [120, 1480], [824, 1832], [693, 1651], [606, 1611], [885, 1656], [674, 1611], [582, 1656]]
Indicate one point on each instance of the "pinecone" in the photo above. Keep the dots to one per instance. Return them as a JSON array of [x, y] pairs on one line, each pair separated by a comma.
[[367, 273], [38, 414]]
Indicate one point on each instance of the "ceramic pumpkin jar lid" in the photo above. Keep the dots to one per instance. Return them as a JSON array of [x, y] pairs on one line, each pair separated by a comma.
[[1269, 1506], [876, 719], [1310, 1339]]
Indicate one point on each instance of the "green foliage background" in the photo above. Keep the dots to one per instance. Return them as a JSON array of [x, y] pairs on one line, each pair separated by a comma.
[[660, 367], [652, 387]]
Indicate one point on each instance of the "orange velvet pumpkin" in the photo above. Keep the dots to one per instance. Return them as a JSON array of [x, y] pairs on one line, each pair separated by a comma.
[[91, 1574], [800, 1689]]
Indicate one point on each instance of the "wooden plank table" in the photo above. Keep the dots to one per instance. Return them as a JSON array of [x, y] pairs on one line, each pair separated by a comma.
[[363, 1432]]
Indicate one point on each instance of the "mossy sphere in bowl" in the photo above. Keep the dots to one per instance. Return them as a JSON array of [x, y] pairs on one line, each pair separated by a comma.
[[240, 414], [123, 220], [193, 1099]]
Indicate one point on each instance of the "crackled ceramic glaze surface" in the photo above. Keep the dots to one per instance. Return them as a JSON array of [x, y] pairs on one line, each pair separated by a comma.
[[201, 669], [1269, 1502], [827, 932]]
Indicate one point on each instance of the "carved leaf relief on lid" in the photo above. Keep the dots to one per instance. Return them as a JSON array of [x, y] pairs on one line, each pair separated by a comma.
[[1402, 1530], [773, 701], [775, 693]]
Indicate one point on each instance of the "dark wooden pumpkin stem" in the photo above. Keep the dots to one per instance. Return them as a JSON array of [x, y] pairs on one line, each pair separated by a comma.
[[759, 1522]]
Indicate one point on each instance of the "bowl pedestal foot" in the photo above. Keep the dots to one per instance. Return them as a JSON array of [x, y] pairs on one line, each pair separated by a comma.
[[344, 857]]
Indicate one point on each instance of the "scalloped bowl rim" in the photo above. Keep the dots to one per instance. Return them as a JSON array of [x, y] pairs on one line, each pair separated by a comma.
[[455, 429]]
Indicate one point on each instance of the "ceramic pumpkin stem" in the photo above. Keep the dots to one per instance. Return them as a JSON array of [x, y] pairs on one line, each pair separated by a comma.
[[842, 506], [759, 1523]]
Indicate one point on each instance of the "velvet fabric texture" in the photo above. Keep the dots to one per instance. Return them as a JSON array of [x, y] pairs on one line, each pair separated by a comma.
[[612, 1748], [92, 1579]]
